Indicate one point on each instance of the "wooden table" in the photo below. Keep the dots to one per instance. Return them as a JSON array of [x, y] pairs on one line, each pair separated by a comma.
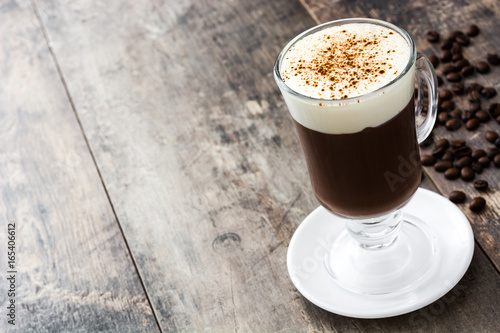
[[151, 170]]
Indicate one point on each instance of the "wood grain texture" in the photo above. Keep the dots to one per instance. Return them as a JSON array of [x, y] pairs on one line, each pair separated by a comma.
[[446, 16], [74, 271], [199, 157], [195, 147]]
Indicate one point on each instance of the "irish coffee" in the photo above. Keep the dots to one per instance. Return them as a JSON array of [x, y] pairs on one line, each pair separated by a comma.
[[349, 86], [357, 122]]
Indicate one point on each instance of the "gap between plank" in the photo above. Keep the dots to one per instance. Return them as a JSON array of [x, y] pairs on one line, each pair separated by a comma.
[[59, 71], [310, 11]]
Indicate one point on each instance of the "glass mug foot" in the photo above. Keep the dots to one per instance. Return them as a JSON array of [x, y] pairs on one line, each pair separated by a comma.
[[396, 255]]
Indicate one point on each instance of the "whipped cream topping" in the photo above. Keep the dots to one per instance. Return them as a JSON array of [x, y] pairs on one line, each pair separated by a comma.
[[348, 61], [345, 61]]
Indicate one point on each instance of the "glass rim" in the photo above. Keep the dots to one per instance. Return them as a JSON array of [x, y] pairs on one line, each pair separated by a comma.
[[411, 61]]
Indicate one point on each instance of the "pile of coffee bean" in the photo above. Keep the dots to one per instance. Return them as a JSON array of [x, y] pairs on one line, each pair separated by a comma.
[[455, 159], [451, 65], [463, 103]]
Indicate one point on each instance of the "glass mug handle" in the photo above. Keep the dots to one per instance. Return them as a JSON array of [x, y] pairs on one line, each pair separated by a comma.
[[425, 76]]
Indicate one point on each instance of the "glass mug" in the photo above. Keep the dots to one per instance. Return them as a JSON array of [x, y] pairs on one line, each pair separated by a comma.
[[364, 165]]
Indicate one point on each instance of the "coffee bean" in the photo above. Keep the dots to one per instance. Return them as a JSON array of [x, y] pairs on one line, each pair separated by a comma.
[[498, 119], [463, 162], [474, 106], [438, 152], [463, 40], [497, 143], [456, 48], [477, 204], [481, 185], [473, 96], [496, 160], [442, 166], [463, 151], [482, 67], [447, 105], [453, 124], [474, 86], [440, 80], [428, 160], [457, 88], [449, 68], [448, 156], [472, 124], [461, 63], [446, 44], [477, 154], [477, 167], [456, 196], [443, 143], [467, 70], [457, 113], [483, 116], [457, 56], [491, 136], [493, 59], [445, 94], [494, 109], [484, 161], [452, 173], [488, 92], [472, 30], [467, 173], [434, 60], [443, 117], [467, 115], [432, 36], [453, 77], [491, 152], [455, 144], [445, 55]]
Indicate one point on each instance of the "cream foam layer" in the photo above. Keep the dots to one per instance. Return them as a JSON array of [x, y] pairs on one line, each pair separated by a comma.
[[334, 115], [345, 61]]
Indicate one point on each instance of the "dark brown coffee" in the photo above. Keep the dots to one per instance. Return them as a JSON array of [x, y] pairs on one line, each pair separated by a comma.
[[367, 173]]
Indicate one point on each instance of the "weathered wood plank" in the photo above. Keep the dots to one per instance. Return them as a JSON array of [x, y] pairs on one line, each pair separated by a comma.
[[194, 145], [74, 273], [202, 165], [446, 16]]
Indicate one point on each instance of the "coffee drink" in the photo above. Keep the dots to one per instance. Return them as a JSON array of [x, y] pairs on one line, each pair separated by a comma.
[[352, 101]]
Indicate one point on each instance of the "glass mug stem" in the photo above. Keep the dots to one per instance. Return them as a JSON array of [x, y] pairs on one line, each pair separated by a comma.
[[376, 233]]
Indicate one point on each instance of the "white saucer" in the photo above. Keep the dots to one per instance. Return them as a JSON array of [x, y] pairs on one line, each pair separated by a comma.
[[305, 261]]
